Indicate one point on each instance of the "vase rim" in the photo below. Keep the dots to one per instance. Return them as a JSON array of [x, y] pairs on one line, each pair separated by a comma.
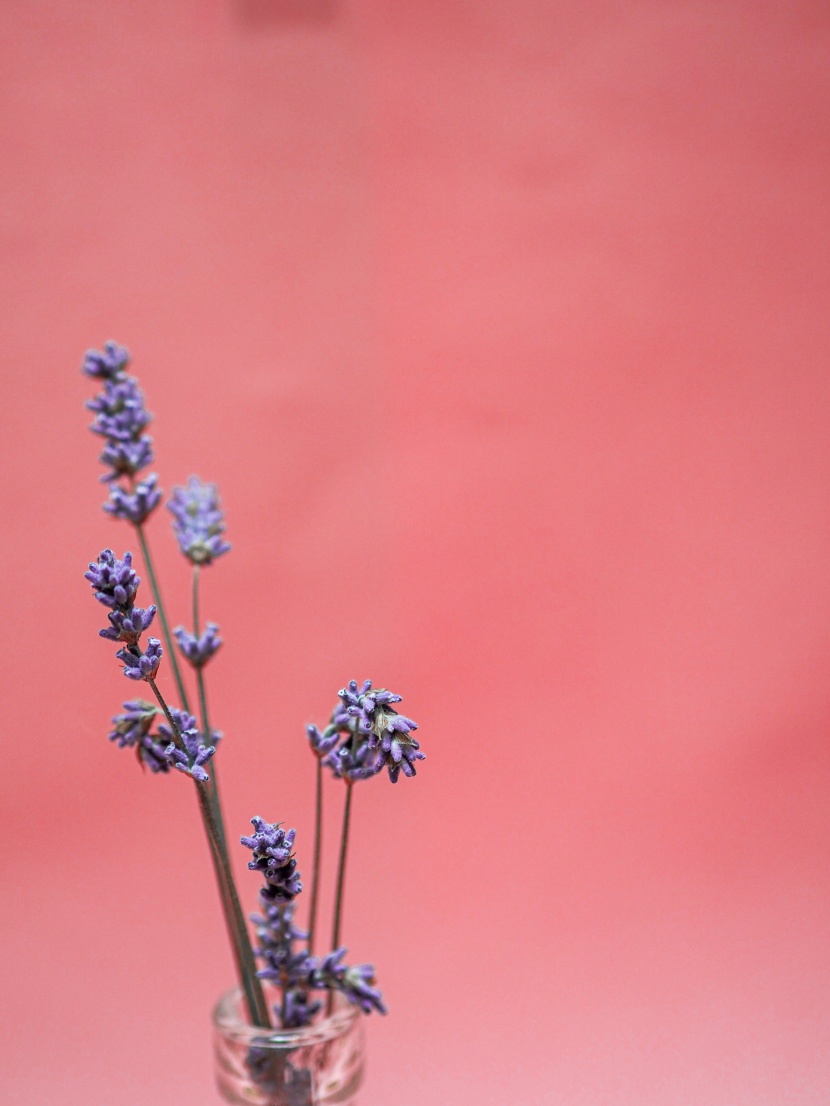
[[228, 1020]]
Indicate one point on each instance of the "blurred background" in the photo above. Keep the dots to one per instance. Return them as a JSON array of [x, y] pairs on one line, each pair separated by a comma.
[[504, 330]]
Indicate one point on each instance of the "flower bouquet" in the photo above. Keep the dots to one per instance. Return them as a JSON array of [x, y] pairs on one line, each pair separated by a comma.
[[290, 1035]]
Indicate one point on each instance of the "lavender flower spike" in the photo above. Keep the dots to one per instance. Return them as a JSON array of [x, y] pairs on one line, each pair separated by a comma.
[[107, 365], [134, 724], [193, 757], [355, 983], [198, 521], [272, 857], [129, 625], [138, 665], [126, 458], [372, 711], [322, 743], [120, 414], [115, 582], [134, 506], [398, 753], [352, 764], [198, 651]]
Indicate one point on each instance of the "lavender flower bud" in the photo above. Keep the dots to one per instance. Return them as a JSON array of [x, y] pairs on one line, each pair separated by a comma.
[[151, 755], [322, 743], [398, 753], [298, 1009], [198, 521], [138, 665], [182, 720], [352, 764], [107, 365], [191, 759], [133, 724], [134, 506], [120, 414], [272, 857], [126, 458], [115, 582], [129, 625], [355, 983], [198, 651], [372, 711]]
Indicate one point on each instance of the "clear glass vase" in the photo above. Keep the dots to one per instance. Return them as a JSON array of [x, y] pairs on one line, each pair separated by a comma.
[[318, 1065]]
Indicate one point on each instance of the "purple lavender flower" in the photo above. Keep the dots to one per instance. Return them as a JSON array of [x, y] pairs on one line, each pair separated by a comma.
[[198, 651], [283, 964], [126, 458], [107, 365], [372, 711], [198, 521], [298, 1008], [184, 721], [133, 724], [138, 665], [115, 582], [193, 757], [355, 983], [120, 414], [272, 857], [322, 743], [134, 506], [398, 753], [352, 764], [129, 625], [151, 754]]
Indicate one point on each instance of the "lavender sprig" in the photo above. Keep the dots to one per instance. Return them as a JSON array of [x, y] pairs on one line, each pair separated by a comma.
[[198, 650], [140, 665], [134, 506], [106, 365], [355, 983], [192, 759], [198, 521], [134, 723], [272, 857], [114, 582]]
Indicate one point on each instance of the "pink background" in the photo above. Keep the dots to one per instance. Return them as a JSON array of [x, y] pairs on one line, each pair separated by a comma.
[[504, 328]]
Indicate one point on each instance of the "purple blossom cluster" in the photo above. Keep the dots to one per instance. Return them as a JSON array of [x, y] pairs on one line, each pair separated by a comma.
[[159, 751], [121, 419], [115, 584], [198, 521], [365, 735], [357, 983], [193, 757], [198, 650], [284, 965], [272, 857], [294, 970]]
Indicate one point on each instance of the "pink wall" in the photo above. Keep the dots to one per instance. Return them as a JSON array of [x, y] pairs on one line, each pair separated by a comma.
[[504, 329]]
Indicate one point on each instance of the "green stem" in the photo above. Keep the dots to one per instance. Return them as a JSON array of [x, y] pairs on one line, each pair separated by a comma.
[[200, 680], [341, 867], [165, 628], [234, 918], [318, 846]]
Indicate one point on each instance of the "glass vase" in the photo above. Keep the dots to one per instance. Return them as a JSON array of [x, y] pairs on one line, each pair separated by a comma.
[[317, 1065]]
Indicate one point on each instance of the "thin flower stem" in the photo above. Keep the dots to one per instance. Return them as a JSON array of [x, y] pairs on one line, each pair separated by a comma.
[[234, 919], [318, 847], [200, 680], [341, 868], [168, 640], [194, 594]]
